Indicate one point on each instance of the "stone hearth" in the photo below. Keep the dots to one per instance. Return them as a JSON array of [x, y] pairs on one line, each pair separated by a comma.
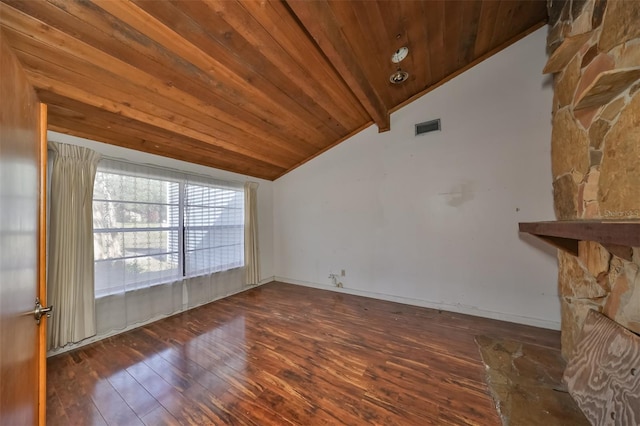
[[526, 383]]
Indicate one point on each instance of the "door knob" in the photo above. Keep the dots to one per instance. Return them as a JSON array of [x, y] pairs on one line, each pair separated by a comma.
[[40, 311]]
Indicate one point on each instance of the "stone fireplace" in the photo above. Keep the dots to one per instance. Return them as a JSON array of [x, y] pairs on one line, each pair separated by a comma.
[[595, 61], [594, 48]]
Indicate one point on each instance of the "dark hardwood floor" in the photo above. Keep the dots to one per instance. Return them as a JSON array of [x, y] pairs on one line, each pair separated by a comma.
[[282, 354]]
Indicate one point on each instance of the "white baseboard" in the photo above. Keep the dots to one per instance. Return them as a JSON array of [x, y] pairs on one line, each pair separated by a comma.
[[458, 308], [266, 280]]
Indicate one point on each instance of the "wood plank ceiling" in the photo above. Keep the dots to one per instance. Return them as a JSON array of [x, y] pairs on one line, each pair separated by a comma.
[[254, 87]]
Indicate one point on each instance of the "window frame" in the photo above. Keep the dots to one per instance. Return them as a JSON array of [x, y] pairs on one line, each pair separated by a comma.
[[124, 168]]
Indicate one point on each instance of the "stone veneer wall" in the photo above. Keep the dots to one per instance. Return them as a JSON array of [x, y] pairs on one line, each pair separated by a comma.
[[596, 159]]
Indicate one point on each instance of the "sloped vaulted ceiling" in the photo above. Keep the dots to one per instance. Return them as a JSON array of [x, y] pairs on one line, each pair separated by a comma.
[[254, 87]]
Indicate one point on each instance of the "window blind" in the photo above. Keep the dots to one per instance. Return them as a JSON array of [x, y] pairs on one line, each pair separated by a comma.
[[153, 226]]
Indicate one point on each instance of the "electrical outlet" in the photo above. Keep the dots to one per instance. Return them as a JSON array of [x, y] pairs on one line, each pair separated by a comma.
[[342, 273]]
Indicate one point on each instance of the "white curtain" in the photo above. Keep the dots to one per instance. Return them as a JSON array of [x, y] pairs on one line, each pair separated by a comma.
[[70, 263], [251, 253], [125, 310]]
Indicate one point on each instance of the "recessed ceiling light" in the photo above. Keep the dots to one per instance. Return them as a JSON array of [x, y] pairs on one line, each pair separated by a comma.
[[399, 76], [399, 55]]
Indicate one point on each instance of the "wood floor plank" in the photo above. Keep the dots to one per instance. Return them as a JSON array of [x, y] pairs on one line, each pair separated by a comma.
[[83, 413], [160, 417], [170, 398], [140, 401], [113, 408], [282, 354]]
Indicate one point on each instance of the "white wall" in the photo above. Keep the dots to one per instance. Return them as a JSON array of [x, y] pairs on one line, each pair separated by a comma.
[[265, 189], [433, 220]]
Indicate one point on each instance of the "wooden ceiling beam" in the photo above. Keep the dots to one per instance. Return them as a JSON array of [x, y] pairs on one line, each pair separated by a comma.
[[320, 23], [277, 63], [356, 20], [293, 38], [297, 114], [226, 41]]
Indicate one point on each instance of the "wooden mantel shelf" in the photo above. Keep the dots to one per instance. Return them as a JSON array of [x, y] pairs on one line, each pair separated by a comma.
[[617, 236]]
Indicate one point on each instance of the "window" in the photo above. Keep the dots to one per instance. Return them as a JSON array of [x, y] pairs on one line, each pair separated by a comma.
[[151, 227], [214, 229]]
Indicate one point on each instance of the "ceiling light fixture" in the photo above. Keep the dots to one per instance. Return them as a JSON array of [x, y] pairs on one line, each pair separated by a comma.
[[399, 76], [399, 55]]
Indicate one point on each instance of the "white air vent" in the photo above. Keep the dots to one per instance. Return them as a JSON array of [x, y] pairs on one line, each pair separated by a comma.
[[428, 126]]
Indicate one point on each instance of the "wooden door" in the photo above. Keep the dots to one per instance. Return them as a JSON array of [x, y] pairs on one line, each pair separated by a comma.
[[22, 245]]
